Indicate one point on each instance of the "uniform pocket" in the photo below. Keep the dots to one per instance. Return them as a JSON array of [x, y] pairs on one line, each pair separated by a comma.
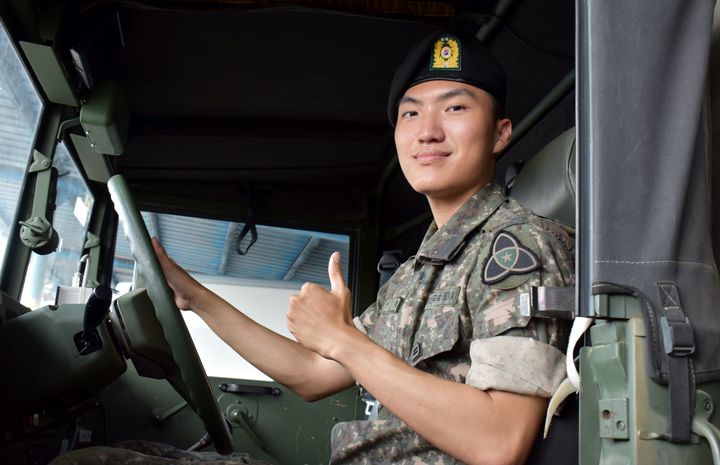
[[438, 332], [385, 331]]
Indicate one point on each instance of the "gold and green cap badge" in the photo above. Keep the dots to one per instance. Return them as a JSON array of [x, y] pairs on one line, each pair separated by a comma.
[[446, 54], [447, 57]]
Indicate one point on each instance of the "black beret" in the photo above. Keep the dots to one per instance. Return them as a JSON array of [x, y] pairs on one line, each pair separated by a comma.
[[445, 56]]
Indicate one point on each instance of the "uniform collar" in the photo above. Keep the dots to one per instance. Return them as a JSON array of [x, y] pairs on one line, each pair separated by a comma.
[[442, 245]]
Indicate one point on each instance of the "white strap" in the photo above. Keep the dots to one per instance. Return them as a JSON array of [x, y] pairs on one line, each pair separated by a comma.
[[566, 389], [571, 384], [580, 325]]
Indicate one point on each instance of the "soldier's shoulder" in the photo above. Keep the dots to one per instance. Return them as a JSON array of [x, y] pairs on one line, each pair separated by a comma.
[[538, 230]]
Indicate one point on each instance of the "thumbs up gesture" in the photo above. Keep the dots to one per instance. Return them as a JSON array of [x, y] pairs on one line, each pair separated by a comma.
[[319, 319]]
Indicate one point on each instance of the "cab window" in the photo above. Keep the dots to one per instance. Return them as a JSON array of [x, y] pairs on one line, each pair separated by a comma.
[[259, 282], [20, 110]]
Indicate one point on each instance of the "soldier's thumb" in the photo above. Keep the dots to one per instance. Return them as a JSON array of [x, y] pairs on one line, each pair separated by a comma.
[[337, 282]]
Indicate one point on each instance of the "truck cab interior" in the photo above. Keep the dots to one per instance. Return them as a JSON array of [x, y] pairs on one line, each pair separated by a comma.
[[251, 138]]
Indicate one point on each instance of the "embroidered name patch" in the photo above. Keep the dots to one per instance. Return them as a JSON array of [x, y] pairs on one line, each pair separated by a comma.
[[392, 305], [443, 297], [508, 257], [446, 54]]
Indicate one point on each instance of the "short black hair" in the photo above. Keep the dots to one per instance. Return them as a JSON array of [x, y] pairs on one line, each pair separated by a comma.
[[498, 108]]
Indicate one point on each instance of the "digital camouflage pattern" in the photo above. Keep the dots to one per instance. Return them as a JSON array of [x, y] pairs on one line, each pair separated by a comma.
[[437, 304], [149, 453], [383, 442]]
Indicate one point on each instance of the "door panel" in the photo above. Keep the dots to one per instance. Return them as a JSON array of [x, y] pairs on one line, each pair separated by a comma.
[[282, 429]]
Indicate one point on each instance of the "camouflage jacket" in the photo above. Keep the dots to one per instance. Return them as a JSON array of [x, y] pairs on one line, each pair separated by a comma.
[[452, 310]]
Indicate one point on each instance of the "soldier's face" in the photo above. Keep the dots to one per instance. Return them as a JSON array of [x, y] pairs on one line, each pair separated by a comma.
[[447, 137]]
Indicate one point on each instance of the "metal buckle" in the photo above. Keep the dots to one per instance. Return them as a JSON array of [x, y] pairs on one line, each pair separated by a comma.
[[678, 339]]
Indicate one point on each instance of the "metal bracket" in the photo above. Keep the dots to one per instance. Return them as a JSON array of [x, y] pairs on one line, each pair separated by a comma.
[[40, 163], [66, 125], [160, 417], [704, 408], [92, 245], [91, 241], [548, 302], [614, 418], [250, 389]]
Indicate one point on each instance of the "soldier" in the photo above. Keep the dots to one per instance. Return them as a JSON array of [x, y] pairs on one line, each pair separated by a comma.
[[459, 373]]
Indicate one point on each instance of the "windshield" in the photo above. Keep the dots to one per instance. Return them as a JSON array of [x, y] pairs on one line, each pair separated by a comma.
[[20, 110], [259, 283]]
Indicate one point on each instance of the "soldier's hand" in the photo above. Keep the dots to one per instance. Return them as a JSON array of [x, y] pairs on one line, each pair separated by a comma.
[[318, 318], [181, 283]]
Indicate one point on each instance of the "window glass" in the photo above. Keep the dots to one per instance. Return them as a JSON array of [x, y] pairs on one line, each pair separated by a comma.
[[73, 204], [20, 110], [258, 283]]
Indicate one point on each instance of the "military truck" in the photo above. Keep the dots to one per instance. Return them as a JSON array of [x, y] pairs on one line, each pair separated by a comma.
[[251, 138]]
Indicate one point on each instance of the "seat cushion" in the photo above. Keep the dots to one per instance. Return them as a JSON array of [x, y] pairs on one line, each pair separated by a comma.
[[546, 184]]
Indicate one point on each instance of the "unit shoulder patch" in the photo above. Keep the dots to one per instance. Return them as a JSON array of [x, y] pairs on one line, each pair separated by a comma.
[[508, 257], [446, 54]]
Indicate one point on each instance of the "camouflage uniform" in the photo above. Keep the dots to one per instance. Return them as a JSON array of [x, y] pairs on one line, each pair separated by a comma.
[[149, 453], [452, 311]]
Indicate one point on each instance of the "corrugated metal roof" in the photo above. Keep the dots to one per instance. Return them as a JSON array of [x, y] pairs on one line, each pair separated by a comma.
[[16, 139], [208, 247]]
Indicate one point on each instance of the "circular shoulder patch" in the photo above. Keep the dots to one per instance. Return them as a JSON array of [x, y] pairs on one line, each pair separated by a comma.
[[508, 257]]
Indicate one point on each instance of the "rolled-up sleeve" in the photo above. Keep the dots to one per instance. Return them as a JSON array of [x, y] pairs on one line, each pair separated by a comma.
[[521, 365]]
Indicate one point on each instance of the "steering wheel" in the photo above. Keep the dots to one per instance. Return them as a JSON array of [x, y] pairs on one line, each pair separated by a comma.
[[188, 376]]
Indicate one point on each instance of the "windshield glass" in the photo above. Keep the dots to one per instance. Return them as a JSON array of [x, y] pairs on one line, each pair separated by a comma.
[[258, 283], [20, 110]]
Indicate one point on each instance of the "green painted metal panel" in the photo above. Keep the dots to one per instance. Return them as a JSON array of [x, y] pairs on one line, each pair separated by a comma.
[[50, 73], [96, 165], [624, 415], [285, 430], [105, 117], [51, 371]]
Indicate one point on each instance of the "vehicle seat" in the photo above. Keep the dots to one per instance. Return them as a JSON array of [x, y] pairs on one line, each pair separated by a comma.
[[546, 185]]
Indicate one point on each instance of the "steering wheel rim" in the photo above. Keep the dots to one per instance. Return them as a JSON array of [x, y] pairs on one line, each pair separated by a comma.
[[191, 380]]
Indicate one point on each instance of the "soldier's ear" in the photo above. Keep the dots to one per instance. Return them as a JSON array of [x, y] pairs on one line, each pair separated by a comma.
[[503, 132]]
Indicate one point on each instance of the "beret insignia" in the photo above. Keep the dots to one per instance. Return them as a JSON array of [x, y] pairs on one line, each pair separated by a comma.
[[446, 54], [508, 257]]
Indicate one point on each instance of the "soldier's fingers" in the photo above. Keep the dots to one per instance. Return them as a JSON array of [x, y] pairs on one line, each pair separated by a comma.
[[337, 282]]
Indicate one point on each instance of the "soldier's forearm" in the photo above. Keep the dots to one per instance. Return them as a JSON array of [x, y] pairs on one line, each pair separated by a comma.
[[472, 425], [284, 360]]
